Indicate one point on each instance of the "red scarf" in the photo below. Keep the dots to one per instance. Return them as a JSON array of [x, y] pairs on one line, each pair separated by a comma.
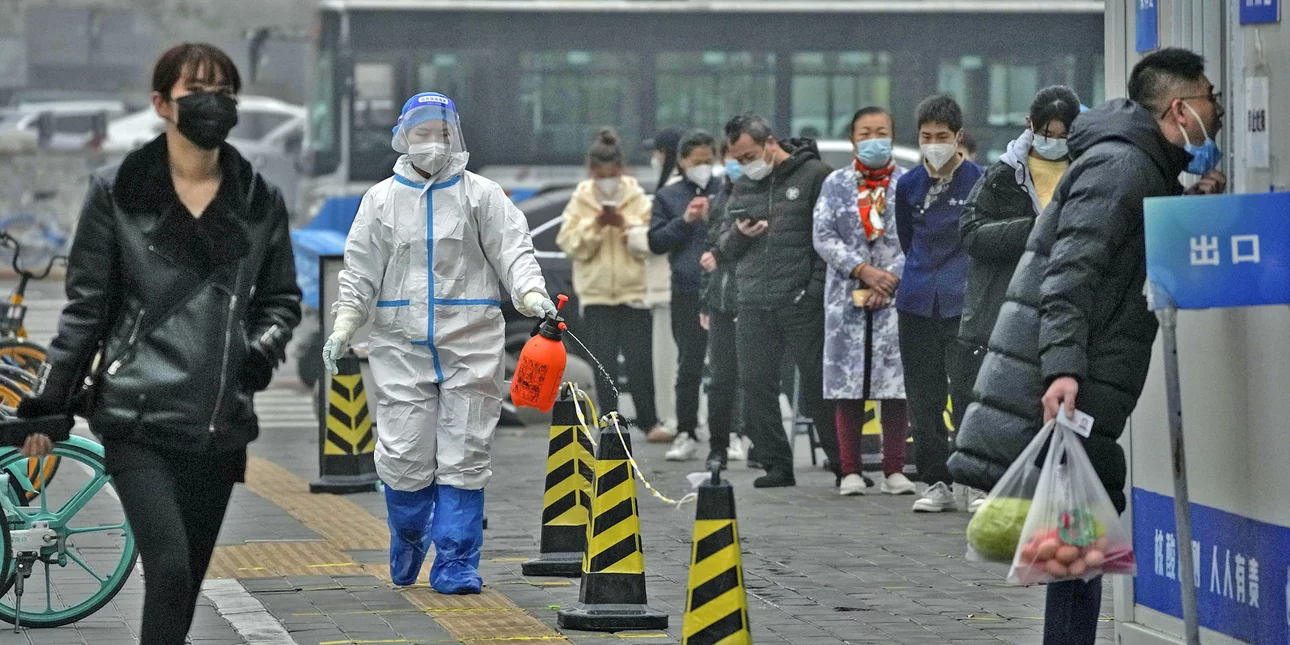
[[871, 186]]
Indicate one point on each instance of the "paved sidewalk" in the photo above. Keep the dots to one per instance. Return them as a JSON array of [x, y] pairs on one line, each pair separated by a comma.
[[294, 568]]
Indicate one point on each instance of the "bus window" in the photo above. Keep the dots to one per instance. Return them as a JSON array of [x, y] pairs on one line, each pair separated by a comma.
[[829, 87], [376, 108], [569, 96], [323, 151], [1012, 89], [445, 74], [704, 89]]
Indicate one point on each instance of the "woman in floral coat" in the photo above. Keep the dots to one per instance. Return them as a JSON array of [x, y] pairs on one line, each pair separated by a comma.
[[855, 233]]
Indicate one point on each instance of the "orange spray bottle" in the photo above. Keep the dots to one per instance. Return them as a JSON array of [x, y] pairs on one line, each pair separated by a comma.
[[536, 383]]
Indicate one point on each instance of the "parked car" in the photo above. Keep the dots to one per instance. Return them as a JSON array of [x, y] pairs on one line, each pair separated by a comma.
[[264, 121], [65, 125], [839, 152]]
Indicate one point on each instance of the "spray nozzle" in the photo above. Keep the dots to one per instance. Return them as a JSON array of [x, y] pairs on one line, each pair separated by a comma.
[[560, 301]]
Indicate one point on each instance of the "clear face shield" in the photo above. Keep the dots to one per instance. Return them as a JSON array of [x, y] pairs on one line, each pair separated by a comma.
[[429, 133]]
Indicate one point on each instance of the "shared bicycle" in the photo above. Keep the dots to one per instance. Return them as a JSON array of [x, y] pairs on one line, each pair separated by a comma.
[[65, 547]]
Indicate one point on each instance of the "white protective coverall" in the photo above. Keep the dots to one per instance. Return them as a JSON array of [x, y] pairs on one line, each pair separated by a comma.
[[423, 261]]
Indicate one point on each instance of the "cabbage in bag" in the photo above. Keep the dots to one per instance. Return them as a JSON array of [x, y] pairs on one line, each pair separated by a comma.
[[1072, 530]]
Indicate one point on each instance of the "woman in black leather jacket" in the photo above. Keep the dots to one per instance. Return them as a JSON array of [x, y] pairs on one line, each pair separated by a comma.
[[181, 280]]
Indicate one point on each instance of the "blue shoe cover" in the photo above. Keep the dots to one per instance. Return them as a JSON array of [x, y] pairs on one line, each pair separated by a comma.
[[458, 531], [409, 519]]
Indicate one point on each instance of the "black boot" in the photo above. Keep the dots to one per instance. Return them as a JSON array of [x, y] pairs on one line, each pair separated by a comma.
[[775, 479]]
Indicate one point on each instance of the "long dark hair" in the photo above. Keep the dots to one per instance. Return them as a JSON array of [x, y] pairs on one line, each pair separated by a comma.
[[666, 142]]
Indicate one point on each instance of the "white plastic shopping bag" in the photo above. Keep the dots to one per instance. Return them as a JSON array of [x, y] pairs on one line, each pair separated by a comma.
[[1072, 530]]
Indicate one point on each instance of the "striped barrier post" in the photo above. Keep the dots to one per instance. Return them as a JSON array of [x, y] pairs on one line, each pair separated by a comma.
[[613, 594], [566, 503], [346, 445], [716, 607]]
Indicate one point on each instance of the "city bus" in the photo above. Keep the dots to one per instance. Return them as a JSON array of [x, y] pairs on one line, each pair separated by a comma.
[[535, 79]]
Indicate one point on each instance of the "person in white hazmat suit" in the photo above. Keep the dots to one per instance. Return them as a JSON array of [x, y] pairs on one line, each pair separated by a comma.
[[423, 261]]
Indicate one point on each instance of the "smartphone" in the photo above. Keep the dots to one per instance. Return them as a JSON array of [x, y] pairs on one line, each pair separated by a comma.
[[741, 213], [860, 297], [609, 206]]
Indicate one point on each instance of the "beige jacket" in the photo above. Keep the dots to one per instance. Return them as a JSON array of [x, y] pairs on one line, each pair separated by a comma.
[[605, 272]]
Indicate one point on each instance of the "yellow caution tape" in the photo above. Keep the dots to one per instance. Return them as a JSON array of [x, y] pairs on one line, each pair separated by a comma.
[[580, 394]]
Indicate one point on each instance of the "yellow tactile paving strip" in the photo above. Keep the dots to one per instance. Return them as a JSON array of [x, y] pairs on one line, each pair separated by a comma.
[[489, 617], [269, 559], [341, 522]]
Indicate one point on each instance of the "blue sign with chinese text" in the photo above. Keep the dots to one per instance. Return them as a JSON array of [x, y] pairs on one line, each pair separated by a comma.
[[1148, 21], [1255, 12], [1220, 251], [1241, 568]]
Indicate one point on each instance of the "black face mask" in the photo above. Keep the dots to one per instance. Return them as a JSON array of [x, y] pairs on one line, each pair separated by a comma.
[[205, 118]]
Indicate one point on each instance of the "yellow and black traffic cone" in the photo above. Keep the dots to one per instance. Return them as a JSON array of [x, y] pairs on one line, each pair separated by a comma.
[[716, 607], [346, 445], [613, 569], [566, 504]]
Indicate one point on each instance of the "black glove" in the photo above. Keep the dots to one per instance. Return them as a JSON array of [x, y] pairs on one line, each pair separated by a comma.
[[257, 369], [34, 407]]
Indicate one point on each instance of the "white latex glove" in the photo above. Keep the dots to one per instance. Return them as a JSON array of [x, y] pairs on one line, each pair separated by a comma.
[[539, 305], [347, 321]]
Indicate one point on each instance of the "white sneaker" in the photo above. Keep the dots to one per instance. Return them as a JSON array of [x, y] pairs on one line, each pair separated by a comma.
[[738, 449], [897, 484], [661, 434], [684, 448], [975, 499], [936, 499], [852, 485]]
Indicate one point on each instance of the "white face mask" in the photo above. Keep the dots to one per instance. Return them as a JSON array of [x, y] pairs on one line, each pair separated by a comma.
[[1050, 148], [938, 155], [607, 187], [656, 162], [430, 157], [718, 171], [758, 169], [700, 174]]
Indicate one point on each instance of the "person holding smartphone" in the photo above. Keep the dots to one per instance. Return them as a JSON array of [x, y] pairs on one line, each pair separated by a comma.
[[679, 228], [609, 279]]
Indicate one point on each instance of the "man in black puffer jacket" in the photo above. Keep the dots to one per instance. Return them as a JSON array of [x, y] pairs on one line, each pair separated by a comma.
[[1076, 322], [781, 286]]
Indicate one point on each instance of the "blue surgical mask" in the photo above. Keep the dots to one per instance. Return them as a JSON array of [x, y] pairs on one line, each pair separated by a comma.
[[734, 170], [1050, 148], [874, 153], [1204, 157]]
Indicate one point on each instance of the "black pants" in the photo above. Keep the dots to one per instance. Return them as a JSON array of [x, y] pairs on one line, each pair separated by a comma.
[[691, 348], [619, 328], [929, 350], [1070, 612], [175, 509], [723, 366], [763, 337]]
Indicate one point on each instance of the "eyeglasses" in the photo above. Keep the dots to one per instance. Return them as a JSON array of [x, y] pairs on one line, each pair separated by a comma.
[[1214, 97]]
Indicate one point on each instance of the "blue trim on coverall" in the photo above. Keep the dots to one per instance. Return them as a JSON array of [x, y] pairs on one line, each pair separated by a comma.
[[434, 352]]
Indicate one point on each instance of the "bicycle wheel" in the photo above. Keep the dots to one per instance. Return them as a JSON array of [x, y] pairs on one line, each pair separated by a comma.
[[22, 353], [87, 534]]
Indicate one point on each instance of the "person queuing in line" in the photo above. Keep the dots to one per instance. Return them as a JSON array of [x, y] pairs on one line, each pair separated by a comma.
[[1000, 213], [679, 228], [429, 247], [855, 232], [1076, 325], [928, 202], [968, 147], [726, 441], [658, 291], [781, 287], [182, 269], [608, 278]]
